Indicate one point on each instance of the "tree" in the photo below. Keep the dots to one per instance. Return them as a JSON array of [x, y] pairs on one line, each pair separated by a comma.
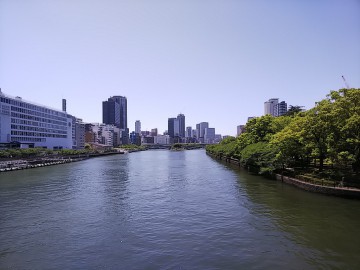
[[344, 142], [294, 110]]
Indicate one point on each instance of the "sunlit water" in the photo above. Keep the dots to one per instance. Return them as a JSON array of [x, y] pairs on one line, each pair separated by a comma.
[[169, 210]]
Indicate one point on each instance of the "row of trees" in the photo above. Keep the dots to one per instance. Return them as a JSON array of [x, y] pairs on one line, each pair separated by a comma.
[[327, 134]]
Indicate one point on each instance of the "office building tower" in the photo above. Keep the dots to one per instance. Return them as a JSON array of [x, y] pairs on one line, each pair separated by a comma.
[[200, 130], [137, 127], [122, 101], [181, 123], [111, 112], [115, 112], [209, 135], [188, 132], [269, 106], [171, 130]]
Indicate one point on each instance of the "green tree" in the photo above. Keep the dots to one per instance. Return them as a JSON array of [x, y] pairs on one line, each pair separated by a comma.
[[294, 110]]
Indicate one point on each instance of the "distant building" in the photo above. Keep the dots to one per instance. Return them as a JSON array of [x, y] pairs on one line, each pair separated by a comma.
[[181, 123], [250, 117], [162, 139], [135, 138], [147, 140], [280, 108], [154, 132], [218, 138], [188, 133], [78, 133], [209, 135], [104, 134], [122, 101], [200, 131], [269, 106], [240, 129], [137, 126], [111, 112], [171, 129], [115, 113]]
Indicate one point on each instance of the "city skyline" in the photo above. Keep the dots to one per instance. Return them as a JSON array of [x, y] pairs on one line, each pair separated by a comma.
[[216, 62]]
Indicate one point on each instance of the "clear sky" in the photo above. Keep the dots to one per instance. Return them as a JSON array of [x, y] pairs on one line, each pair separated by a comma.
[[214, 61]]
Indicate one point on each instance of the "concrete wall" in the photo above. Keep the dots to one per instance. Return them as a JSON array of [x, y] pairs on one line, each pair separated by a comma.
[[337, 191]]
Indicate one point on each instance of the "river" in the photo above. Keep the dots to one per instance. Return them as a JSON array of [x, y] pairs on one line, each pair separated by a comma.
[[169, 210]]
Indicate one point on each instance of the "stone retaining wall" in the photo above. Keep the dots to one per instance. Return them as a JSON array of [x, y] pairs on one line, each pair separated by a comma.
[[337, 191]]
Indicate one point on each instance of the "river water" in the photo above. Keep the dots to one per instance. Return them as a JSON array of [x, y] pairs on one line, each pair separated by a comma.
[[169, 210]]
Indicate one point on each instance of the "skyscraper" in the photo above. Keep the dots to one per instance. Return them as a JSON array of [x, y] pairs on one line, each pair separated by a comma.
[[171, 129], [122, 101], [200, 130], [115, 113], [181, 119], [137, 127], [111, 112]]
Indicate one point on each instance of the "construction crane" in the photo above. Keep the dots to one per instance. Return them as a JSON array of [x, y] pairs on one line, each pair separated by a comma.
[[346, 84]]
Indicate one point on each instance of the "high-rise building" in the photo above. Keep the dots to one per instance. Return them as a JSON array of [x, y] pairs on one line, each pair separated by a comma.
[[188, 132], [171, 129], [209, 135], [181, 120], [176, 127], [115, 112], [111, 112], [137, 127], [269, 106], [200, 130], [280, 108]]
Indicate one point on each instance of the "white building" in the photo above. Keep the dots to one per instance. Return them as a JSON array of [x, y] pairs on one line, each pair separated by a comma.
[[137, 126], [269, 106], [162, 139], [34, 125]]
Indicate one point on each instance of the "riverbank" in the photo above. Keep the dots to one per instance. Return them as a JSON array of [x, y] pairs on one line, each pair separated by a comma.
[[37, 162], [340, 191]]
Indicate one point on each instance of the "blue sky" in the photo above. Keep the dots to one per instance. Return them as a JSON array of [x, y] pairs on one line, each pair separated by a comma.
[[214, 61]]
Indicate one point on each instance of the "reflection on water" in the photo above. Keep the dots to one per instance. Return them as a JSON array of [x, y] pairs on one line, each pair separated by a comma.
[[164, 209]]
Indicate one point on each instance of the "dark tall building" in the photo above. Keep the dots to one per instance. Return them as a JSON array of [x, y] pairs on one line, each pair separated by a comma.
[[181, 119], [122, 101], [115, 112], [171, 127]]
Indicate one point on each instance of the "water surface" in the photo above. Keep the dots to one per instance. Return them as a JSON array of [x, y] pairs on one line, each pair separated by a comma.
[[169, 210]]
